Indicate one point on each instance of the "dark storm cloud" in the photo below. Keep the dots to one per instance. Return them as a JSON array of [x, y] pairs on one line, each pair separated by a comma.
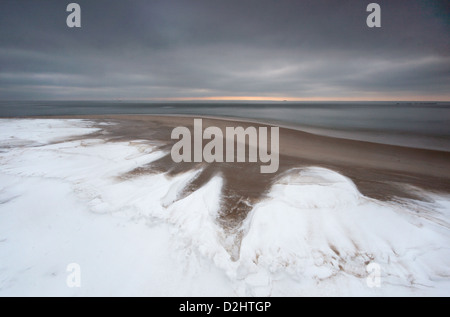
[[195, 48]]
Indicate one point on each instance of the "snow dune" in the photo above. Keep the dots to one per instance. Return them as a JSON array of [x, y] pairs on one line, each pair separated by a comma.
[[67, 202]]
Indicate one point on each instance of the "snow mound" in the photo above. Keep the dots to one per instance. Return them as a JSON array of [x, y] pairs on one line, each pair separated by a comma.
[[315, 226]]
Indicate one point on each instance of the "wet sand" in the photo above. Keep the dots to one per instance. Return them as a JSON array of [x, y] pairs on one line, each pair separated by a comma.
[[383, 172]]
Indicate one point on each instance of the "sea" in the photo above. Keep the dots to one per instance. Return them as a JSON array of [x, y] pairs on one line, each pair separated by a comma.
[[412, 124]]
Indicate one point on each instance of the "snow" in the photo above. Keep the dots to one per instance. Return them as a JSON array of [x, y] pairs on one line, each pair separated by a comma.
[[63, 200], [35, 132], [316, 226]]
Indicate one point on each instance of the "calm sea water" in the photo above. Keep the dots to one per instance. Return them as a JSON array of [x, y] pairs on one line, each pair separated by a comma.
[[424, 125]]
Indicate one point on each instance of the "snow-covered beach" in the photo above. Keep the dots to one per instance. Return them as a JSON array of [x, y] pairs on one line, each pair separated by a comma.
[[70, 193]]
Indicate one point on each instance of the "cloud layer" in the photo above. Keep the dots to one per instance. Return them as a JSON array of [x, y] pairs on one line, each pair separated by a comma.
[[212, 48]]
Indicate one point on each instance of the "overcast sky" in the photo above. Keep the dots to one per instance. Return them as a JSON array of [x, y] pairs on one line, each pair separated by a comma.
[[235, 49]]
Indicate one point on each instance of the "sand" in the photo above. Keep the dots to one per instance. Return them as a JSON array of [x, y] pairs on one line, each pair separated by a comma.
[[383, 172]]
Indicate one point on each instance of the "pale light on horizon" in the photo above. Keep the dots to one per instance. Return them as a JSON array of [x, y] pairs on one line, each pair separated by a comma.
[[305, 99]]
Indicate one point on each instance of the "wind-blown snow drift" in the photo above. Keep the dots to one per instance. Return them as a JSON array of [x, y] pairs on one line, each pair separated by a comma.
[[315, 234]]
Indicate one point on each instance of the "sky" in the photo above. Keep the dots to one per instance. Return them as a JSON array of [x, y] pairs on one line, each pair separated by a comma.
[[224, 50]]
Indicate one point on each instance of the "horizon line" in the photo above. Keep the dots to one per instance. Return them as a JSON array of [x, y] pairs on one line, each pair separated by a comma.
[[242, 99], [297, 99]]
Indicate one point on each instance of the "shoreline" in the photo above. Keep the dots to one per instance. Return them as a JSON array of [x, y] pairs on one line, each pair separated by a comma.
[[438, 143], [380, 171], [316, 131]]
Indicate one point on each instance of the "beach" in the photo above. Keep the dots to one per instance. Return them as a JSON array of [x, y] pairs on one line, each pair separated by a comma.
[[378, 170], [334, 206]]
